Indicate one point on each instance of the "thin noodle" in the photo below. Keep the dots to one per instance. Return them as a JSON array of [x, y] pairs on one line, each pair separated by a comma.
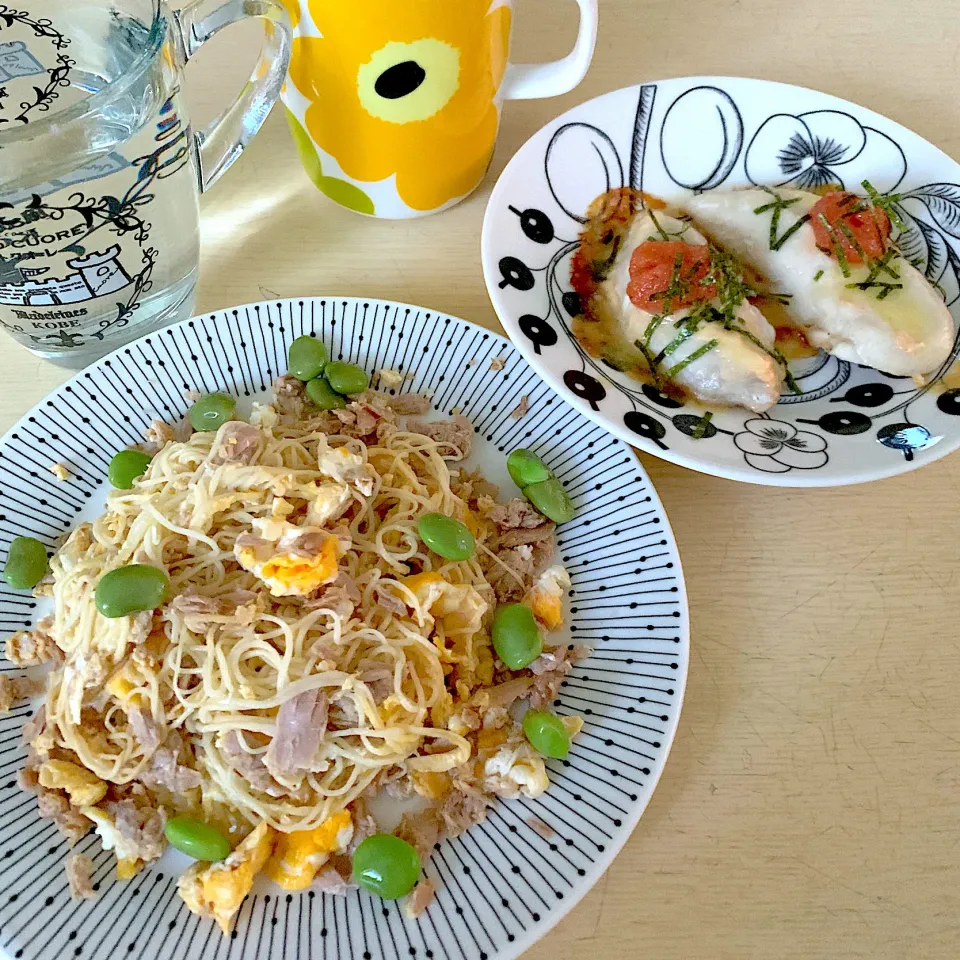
[[212, 674]]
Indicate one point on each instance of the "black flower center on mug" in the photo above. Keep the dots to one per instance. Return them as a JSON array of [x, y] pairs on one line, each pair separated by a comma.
[[409, 82], [400, 80]]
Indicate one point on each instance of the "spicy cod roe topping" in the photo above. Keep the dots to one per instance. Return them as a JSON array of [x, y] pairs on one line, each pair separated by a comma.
[[857, 228], [669, 275]]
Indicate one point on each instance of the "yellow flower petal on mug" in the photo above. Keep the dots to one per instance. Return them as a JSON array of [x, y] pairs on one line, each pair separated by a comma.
[[342, 192], [405, 82], [293, 8], [405, 89]]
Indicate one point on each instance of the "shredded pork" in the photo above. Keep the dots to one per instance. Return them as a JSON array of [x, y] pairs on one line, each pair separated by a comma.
[[473, 488], [516, 568], [456, 434], [157, 436], [290, 399], [139, 827], [79, 877], [238, 442], [522, 408], [463, 808], [145, 729], [408, 404], [334, 878], [30, 648], [364, 824], [54, 805], [15, 689], [341, 597], [550, 670], [167, 771], [421, 830], [516, 514], [420, 898], [34, 726], [541, 828], [301, 724], [250, 766]]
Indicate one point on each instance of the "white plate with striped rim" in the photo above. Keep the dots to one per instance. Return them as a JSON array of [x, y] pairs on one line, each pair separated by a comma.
[[501, 885]]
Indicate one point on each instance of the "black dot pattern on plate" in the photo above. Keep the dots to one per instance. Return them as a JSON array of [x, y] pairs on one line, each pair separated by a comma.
[[504, 882]]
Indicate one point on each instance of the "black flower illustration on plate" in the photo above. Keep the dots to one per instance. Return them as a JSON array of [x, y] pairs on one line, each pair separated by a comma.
[[775, 446], [931, 226], [823, 147]]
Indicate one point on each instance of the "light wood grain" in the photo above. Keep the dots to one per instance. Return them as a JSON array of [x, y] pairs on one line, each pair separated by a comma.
[[810, 807]]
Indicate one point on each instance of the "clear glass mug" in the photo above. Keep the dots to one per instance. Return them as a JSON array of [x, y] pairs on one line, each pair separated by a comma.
[[100, 171]]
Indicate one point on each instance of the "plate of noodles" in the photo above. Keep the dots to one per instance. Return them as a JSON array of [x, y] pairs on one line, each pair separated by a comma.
[[305, 659]]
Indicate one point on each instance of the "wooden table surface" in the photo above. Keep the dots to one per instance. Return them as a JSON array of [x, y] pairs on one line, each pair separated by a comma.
[[811, 805]]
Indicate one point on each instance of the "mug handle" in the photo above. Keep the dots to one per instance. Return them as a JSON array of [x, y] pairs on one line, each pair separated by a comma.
[[226, 138], [530, 81]]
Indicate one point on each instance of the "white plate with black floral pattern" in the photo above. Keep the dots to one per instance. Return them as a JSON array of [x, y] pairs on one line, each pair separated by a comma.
[[849, 424], [505, 882]]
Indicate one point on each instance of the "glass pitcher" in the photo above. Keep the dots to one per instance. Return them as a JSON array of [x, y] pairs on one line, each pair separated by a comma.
[[100, 170]]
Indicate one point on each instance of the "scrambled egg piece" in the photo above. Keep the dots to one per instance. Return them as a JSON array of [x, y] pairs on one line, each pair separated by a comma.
[[478, 525], [441, 713], [458, 604], [339, 463], [264, 415], [388, 379], [128, 863], [431, 784], [298, 856], [120, 685], [515, 769], [545, 597], [327, 500], [124, 685], [572, 724], [286, 567], [83, 787], [128, 867], [217, 889]]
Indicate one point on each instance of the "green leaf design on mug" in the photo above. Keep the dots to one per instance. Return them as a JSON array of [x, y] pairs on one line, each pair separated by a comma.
[[340, 191]]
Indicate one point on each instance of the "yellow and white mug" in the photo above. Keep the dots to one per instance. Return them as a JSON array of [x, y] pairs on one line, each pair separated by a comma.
[[395, 104]]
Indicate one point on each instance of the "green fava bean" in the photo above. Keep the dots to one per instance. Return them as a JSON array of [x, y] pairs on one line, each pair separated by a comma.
[[126, 466], [346, 378], [197, 839], [546, 733], [516, 636], [551, 500], [526, 467], [446, 537], [307, 358], [212, 412], [131, 589], [320, 392], [386, 865], [26, 563]]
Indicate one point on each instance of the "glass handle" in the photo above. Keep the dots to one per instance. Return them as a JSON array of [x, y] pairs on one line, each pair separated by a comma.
[[226, 138]]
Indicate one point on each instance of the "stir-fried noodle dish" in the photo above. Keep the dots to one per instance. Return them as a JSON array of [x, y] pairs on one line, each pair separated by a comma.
[[281, 619]]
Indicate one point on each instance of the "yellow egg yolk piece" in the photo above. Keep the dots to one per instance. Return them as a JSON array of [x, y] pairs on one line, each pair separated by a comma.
[[545, 597], [459, 605], [83, 787], [217, 890], [298, 856], [290, 574]]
